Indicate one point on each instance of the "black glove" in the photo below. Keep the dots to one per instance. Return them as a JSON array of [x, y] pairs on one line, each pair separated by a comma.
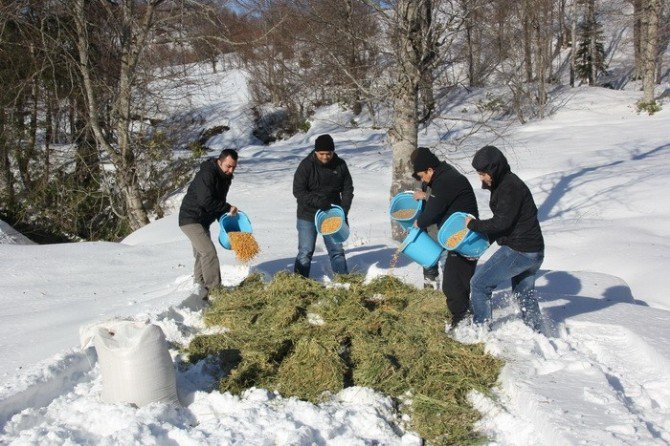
[[324, 204]]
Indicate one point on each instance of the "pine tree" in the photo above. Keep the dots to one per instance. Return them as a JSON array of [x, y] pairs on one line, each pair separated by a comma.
[[590, 51]]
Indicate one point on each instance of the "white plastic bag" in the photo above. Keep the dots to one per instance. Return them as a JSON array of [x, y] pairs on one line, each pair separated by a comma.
[[135, 363]]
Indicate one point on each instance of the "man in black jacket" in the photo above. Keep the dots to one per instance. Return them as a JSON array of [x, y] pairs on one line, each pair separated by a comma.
[[430, 274], [321, 180], [450, 192], [515, 227], [203, 204]]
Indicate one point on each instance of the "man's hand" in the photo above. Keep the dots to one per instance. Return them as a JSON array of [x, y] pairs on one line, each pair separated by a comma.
[[324, 204], [233, 210], [467, 221], [419, 195]]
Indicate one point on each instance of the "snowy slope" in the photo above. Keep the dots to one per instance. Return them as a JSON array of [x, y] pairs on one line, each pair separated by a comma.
[[599, 376]]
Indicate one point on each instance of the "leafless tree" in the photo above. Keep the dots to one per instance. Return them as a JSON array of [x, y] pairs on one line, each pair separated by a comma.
[[415, 37], [650, 24]]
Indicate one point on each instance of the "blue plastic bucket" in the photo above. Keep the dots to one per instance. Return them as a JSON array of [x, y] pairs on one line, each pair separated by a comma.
[[338, 235], [420, 247], [402, 201], [472, 245], [233, 223]]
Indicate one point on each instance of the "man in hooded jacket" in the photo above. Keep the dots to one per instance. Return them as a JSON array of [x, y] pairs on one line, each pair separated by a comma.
[[450, 192], [204, 203], [321, 180], [516, 228]]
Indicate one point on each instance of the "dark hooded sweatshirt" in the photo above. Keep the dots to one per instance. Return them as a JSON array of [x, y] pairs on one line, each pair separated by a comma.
[[205, 199], [315, 183], [450, 192], [514, 222]]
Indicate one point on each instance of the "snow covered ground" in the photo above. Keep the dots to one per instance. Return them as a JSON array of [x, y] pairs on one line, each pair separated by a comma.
[[600, 375]]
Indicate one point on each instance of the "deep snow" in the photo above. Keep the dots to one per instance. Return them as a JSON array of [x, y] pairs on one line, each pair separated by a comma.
[[600, 375]]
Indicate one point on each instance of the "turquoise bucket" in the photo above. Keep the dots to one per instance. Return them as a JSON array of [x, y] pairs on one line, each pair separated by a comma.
[[338, 235], [233, 223], [420, 247], [402, 201], [472, 245]]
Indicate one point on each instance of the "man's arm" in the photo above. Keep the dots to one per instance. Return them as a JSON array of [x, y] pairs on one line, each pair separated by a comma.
[[347, 190], [206, 196], [507, 209], [442, 196]]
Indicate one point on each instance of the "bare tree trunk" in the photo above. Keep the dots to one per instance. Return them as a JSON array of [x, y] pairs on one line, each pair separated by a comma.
[[122, 156], [6, 178], [473, 48], [132, 45], [592, 43], [415, 52], [573, 47], [403, 137], [663, 37], [32, 136], [48, 135], [541, 69], [88, 160], [527, 40], [562, 38], [638, 38], [20, 149], [427, 96], [652, 12]]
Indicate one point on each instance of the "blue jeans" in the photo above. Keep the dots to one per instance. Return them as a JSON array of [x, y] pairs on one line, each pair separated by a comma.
[[306, 244], [507, 264]]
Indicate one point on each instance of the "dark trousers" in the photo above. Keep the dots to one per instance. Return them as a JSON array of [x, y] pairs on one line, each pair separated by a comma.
[[456, 277]]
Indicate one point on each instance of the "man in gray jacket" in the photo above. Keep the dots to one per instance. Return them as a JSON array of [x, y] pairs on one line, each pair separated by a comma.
[[204, 203]]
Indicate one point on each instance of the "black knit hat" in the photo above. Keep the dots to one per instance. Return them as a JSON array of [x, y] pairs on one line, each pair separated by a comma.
[[422, 158], [324, 143]]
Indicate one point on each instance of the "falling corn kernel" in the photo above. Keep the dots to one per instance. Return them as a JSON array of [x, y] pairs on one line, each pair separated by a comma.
[[244, 244], [394, 260]]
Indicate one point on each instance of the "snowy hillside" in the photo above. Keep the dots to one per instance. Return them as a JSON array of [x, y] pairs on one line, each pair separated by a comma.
[[600, 375]]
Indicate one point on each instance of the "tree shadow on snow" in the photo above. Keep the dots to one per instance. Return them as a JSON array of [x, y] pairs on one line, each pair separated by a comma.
[[559, 185], [563, 289]]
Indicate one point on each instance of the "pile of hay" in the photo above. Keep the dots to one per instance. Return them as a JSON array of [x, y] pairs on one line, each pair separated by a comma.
[[303, 339]]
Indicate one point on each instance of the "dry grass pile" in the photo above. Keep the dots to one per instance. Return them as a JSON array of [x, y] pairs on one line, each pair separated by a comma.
[[303, 339]]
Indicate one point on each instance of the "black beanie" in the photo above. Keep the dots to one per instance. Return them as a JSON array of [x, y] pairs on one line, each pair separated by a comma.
[[324, 143], [422, 158]]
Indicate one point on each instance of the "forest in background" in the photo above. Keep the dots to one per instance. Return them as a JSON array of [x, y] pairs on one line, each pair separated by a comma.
[[88, 139]]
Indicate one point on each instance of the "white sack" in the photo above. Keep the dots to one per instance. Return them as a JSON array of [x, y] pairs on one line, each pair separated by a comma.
[[135, 363]]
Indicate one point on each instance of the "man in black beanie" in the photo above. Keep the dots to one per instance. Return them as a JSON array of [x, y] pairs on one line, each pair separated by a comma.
[[450, 192], [423, 159], [322, 179]]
